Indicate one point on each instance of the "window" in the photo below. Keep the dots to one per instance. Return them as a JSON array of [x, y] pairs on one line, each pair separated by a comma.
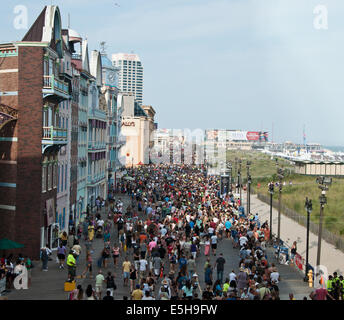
[[55, 175], [66, 177], [49, 176], [64, 218], [58, 179], [44, 176], [62, 172]]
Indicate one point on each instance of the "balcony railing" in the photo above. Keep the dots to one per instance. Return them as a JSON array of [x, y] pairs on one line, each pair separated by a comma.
[[96, 178], [93, 145], [52, 83], [54, 134]]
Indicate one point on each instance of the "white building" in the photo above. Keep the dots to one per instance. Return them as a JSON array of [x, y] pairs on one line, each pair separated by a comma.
[[130, 74], [135, 127]]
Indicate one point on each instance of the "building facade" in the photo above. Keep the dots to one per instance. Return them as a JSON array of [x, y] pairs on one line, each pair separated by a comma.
[[96, 158], [130, 74], [111, 91], [136, 129], [32, 88]]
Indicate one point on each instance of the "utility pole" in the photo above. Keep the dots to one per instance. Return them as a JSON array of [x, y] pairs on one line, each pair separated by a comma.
[[308, 206], [280, 178], [248, 163], [324, 183], [271, 191]]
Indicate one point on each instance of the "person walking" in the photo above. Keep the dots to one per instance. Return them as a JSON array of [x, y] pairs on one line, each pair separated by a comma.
[[88, 267], [126, 271], [71, 264], [100, 280], [110, 283], [44, 256], [61, 255], [219, 264]]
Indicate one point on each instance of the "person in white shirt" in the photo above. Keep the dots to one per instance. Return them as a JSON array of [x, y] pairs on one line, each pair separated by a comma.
[[143, 267], [243, 240], [232, 276], [274, 275], [213, 241], [147, 296], [210, 231]]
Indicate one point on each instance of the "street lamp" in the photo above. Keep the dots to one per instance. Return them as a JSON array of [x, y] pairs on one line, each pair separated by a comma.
[[308, 206], [280, 178], [248, 163], [229, 167], [271, 191], [324, 183], [239, 178]]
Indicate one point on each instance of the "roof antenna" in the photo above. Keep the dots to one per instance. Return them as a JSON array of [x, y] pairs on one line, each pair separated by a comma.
[[68, 21]]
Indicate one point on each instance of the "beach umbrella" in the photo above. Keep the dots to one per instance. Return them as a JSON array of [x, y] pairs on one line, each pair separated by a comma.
[[6, 244]]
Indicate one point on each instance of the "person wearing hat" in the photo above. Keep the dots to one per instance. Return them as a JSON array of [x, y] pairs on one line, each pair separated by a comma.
[[242, 279], [274, 275], [137, 294]]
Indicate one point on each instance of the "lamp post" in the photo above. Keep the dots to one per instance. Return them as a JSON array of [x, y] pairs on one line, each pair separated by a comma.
[[280, 178], [324, 183], [239, 178], [271, 191], [308, 206], [229, 167], [248, 163]]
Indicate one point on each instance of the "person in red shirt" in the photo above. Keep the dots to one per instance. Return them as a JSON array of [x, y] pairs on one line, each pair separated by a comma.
[[320, 294]]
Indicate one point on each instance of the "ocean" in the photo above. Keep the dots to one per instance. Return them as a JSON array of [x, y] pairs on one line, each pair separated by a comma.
[[335, 148]]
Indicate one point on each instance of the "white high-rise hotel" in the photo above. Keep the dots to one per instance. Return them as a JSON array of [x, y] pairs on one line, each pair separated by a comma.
[[130, 74]]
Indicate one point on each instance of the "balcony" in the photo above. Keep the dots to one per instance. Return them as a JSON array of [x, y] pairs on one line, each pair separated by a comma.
[[96, 146], [55, 134], [93, 180], [53, 86]]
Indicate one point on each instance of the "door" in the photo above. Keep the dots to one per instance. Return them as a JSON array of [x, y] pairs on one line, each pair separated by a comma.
[[54, 236]]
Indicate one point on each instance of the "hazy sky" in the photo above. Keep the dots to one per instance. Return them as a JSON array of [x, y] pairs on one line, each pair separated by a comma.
[[235, 64]]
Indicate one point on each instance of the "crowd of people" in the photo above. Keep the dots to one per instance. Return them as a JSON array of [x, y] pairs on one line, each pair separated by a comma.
[[176, 217]]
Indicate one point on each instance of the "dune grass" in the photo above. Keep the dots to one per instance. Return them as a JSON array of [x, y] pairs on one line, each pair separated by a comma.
[[263, 170]]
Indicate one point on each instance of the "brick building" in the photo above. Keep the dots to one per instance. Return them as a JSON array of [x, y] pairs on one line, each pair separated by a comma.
[[32, 85]]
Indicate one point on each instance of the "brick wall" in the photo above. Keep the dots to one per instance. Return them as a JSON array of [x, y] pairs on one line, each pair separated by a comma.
[[29, 218], [8, 149]]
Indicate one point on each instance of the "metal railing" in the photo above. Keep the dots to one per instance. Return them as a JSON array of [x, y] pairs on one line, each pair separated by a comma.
[[94, 179], [54, 133], [94, 145], [328, 236], [52, 83]]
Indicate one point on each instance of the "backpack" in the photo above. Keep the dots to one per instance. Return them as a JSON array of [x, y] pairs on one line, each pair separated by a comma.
[[44, 254]]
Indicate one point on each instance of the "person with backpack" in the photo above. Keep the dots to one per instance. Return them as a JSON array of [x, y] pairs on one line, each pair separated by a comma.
[[44, 256]]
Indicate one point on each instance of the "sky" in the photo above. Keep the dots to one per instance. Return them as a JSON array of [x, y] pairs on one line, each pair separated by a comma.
[[256, 65]]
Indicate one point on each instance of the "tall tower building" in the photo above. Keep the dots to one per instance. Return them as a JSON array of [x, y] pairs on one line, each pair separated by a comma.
[[130, 74]]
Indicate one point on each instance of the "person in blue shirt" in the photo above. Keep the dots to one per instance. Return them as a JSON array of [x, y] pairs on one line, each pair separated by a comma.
[[182, 262], [192, 224], [187, 288], [228, 225], [208, 275]]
